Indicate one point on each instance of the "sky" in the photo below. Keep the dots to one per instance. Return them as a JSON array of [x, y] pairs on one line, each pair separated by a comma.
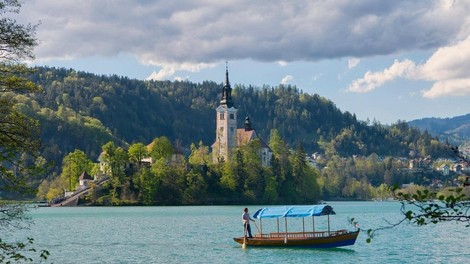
[[379, 59]]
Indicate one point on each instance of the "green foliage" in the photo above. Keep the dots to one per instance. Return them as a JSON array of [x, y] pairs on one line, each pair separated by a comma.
[[137, 152], [169, 182], [75, 106], [420, 206], [230, 177], [161, 147], [73, 166], [431, 207], [166, 182], [183, 112], [453, 130], [199, 155], [12, 217], [196, 189], [304, 177], [19, 144], [366, 177], [117, 159], [9, 252]]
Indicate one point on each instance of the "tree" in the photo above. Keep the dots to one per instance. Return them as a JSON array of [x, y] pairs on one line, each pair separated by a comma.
[[281, 166], [137, 152], [229, 178], [161, 148], [146, 184], [74, 164], [270, 192], [169, 182], [253, 180], [18, 133], [199, 155], [278, 145], [42, 190], [196, 188], [56, 188], [305, 177], [116, 158]]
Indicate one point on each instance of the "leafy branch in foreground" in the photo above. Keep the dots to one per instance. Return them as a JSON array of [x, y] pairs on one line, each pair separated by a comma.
[[13, 217], [10, 251], [429, 207], [19, 133], [425, 207]]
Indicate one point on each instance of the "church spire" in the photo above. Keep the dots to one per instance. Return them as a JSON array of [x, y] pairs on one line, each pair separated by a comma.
[[227, 83], [227, 90]]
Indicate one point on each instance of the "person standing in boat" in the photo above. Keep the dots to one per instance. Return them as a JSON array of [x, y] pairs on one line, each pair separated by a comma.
[[246, 218]]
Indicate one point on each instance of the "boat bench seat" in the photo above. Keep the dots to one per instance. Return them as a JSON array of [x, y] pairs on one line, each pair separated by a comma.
[[303, 234]]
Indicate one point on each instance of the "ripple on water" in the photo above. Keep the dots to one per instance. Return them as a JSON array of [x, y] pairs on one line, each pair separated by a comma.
[[203, 234]]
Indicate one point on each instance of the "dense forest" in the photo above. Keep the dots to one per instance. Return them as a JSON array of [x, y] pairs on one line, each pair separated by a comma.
[[83, 111]]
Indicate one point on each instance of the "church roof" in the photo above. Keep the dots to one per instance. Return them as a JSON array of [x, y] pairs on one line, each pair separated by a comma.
[[85, 176], [244, 137], [150, 146], [264, 145]]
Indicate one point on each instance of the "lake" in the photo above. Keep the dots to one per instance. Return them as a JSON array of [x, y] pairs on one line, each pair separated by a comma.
[[203, 234]]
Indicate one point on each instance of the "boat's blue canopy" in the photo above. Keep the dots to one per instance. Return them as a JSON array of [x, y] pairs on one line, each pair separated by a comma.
[[294, 211]]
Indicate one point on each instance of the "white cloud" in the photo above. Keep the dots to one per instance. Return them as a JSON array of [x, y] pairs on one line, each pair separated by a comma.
[[447, 68], [169, 69], [287, 79], [373, 80], [201, 31], [453, 87], [191, 35], [448, 63], [353, 62], [163, 74]]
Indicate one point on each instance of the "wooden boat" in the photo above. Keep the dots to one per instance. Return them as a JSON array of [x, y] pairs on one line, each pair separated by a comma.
[[309, 239]]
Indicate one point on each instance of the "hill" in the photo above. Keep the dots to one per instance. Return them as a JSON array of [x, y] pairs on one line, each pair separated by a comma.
[[455, 130], [79, 110]]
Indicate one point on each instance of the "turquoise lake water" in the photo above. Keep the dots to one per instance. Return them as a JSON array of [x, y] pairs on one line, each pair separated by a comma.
[[203, 234]]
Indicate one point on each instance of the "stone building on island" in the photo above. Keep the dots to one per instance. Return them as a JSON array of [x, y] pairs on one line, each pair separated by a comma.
[[228, 137]]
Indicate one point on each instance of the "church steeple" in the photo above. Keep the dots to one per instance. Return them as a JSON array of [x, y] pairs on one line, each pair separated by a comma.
[[227, 90], [226, 124], [227, 83]]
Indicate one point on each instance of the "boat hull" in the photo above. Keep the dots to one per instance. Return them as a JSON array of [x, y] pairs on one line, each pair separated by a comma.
[[341, 240]]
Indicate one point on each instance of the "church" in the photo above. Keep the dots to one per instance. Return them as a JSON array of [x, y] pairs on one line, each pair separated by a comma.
[[228, 137]]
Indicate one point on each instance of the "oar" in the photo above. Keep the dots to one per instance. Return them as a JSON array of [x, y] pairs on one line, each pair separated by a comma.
[[244, 238]]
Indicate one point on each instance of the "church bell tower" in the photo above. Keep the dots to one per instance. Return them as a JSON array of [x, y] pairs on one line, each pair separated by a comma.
[[226, 124]]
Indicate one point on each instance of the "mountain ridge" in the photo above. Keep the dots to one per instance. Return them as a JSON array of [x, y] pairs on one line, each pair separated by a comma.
[[455, 130]]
